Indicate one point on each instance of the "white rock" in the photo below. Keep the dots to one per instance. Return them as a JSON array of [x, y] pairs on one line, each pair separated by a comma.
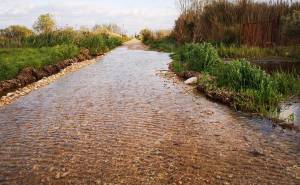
[[10, 94], [191, 81]]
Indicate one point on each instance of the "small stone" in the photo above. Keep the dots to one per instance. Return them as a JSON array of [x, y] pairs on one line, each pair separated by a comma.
[[65, 174], [246, 138], [160, 112], [35, 167], [51, 169], [57, 175], [98, 181], [191, 81], [10, 94], [257, 152]]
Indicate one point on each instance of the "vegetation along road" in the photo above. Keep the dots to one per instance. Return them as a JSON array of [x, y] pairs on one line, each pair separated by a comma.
[[122, 121]]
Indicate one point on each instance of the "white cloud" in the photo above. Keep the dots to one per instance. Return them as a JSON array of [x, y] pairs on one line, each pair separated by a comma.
[[132, 14]]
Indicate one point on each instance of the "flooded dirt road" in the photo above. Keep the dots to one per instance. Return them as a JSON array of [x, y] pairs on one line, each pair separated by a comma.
[[118, 122]]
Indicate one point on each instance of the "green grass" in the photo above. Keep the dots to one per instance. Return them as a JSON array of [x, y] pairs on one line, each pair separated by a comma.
[[96, 43], [253, 85], [13, 60], [48, 48], [197, 57], [289, 52], [254, 89], [165, 44]]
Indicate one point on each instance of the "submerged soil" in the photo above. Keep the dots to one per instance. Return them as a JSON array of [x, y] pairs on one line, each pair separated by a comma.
[[118, 121]]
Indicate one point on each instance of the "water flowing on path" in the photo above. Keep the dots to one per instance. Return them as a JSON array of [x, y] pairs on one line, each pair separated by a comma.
[[119, 122]]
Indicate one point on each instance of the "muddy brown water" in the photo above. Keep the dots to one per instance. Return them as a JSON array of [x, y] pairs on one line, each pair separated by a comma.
[[120, 122]]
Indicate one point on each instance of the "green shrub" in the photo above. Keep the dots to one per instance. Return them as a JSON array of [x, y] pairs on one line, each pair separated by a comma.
[[258, 90], [264, 100], [177, 67], [95, 44], [146, 35], [240, 74], [287, 84], [198, 57]]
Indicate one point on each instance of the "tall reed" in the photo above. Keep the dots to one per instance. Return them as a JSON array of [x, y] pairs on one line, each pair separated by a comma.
[[248, 22]]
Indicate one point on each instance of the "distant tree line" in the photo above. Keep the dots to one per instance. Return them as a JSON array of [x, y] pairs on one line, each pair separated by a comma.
[[44, 26]]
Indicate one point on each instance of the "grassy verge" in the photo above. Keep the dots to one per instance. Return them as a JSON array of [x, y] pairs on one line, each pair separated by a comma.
[[249, 88], [13, 60], [239, 84], [44, 49]]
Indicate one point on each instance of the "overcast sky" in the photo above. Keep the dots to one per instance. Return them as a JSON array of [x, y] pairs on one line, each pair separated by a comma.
[[133, 15]]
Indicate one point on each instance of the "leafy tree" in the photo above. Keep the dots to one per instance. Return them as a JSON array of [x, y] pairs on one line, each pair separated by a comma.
[[146, 35], [108, 28], [45, 24]]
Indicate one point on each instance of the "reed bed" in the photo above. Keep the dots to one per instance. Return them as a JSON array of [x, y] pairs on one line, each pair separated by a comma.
[[244, 22]]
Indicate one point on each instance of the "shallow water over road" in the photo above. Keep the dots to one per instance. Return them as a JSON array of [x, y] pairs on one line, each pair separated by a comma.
[[120, 122]]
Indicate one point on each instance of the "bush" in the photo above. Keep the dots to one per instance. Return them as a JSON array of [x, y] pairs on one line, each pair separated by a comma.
[[240, 74], [198, 57], [258, 90], [287, 84], [146, 35], [264, 100], [95, 44]]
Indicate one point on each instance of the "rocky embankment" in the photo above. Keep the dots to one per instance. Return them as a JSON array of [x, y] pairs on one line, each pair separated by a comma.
[[30, 75]]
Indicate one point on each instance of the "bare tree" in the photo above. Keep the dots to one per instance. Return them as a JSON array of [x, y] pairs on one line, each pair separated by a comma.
[[183, 5], [191, 5]]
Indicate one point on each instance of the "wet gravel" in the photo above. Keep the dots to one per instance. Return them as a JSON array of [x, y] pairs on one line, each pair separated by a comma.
[[119, 121]]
